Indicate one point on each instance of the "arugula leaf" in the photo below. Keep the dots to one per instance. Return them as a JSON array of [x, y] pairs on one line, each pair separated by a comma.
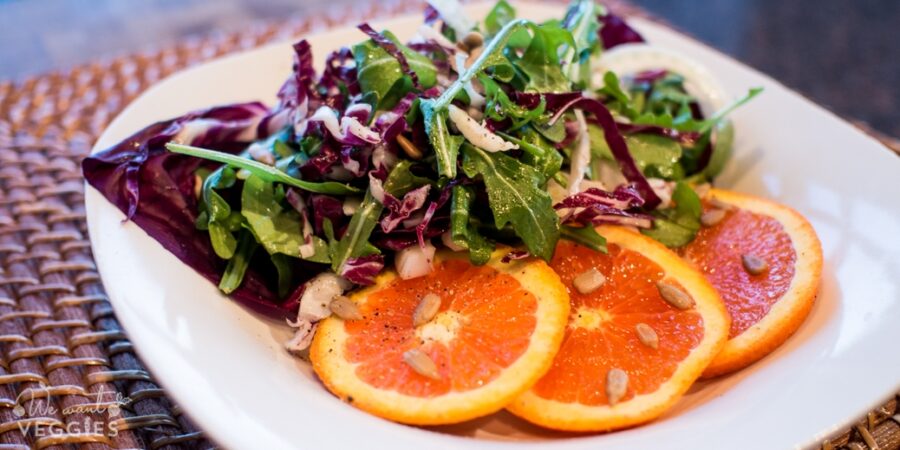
[[581, 21], [501, 14], [586, 236], [656, 156], [356, 239], [445, 145], [516, 196], [537, 152], [264, 172], [279, 230], [722, 149], [621, 102], [463, 228], [218, 212], [541, 61], [237, 265], [379, 72], [703, 126], [282, 265], [401, 179], [677, 226], [499, 106]]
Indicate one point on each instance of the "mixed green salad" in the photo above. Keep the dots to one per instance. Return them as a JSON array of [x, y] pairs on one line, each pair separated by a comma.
[[471, 135]]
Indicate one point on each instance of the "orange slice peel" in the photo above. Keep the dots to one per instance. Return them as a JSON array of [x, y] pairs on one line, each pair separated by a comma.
[[765, 261], [494, 334], [629, 354]]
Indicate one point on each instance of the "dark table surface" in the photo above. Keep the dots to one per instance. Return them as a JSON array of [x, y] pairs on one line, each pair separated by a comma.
[[843, 54]]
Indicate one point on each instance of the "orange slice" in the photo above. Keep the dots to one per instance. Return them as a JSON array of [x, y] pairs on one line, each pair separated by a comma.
[[625, 329], [493, 335], [768, 307]]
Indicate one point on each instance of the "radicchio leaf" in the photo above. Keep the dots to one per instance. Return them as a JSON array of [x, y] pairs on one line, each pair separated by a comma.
[[614, 31], [399, 210], [155, 189], [362, 270], [326, 207], [515, 255], [595, 206], [349, 130]]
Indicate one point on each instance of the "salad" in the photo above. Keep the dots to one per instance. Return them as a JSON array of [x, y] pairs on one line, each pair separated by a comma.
[[470, 136]]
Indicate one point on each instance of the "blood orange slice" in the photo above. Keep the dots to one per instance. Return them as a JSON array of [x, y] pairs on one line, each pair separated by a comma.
[[484, 335], [766, 261], [639, 335]]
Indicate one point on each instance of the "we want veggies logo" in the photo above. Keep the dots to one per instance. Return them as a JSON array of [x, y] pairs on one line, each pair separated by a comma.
[[98, 416]]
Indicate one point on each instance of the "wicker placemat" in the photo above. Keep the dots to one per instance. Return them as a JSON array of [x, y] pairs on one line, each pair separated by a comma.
[[68, 374]]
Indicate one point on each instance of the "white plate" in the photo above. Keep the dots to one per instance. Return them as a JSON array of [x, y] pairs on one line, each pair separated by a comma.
[[226, 368]]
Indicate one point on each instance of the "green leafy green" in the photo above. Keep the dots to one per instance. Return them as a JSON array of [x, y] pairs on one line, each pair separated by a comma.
[[501, 14], [264, 172], [464, 228], [498, 105], [445, 145], [677, 226], [278, 229], [355, 241], [237, 265], [379, 72], [217, 212], [619, 101], [401, 179], [656, 156], [586, 236], [517, 197], [537, 152], [282, 265], [703, 126], [434, 111], [541, 61], [581, 21]]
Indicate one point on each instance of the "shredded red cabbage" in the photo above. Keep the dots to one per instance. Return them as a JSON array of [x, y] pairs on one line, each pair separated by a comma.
[[616, 144], [400, 210]]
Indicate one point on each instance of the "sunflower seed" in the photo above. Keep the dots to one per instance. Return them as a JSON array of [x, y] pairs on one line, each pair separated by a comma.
[[344, 308], [754, 265], [427, 309], [409, 148], [616, 385], [421, 363], [647, 335], [674, 295], [589, 281], [473, 40], [711, 217]]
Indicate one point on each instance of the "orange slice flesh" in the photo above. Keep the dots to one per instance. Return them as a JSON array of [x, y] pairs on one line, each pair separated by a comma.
[[767, 308], [602, 336], [494, 335]]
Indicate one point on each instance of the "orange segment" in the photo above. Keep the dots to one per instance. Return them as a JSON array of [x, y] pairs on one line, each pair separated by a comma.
[[767, 308], [494, 334], [602, 336]]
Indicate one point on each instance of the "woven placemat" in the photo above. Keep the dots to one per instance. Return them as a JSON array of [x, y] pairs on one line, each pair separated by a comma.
[[68, 374]]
